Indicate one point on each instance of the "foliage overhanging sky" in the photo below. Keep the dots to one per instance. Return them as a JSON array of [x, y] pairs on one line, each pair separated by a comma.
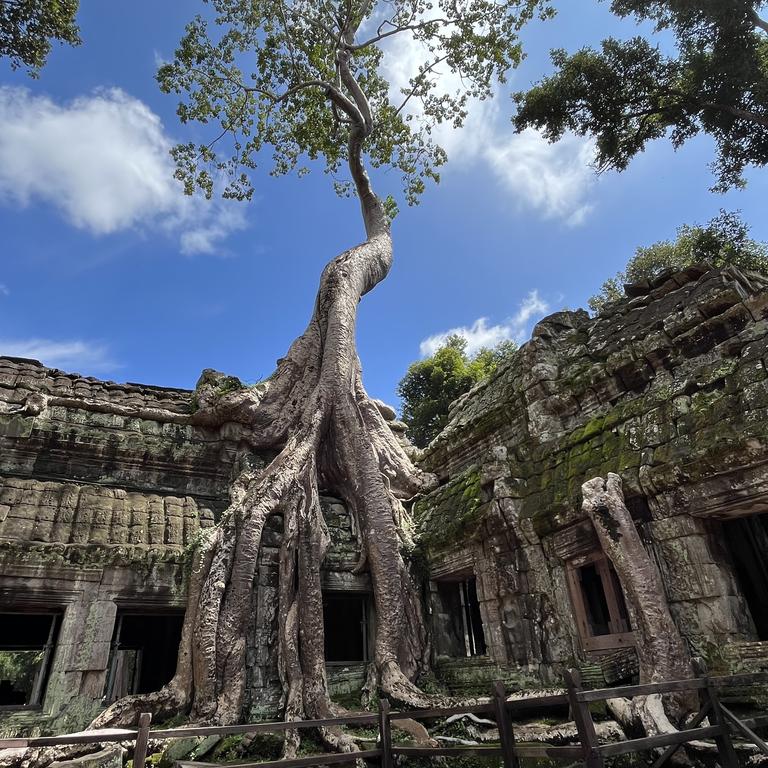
[[109, 270]]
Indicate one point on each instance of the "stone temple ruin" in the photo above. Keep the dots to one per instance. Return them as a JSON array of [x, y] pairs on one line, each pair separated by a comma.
[[103, 486]]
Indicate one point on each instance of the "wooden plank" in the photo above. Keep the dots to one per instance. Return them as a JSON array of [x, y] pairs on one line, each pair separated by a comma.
[[548, 750], [520, 706], [142, 739], [755, 722], [661, 740], [753, 678], [85, 737], [506, 735], [276, 727], [725, 750], [744, 729], [669, 751], [296, 762], [583, 719], [13, 743], [447, 751], [628, 691], [521, 750], [424, 714], [385, 734]]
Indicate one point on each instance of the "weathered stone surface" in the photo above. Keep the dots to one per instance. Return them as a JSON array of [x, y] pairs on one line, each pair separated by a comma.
[[669, 389], [104, 488]]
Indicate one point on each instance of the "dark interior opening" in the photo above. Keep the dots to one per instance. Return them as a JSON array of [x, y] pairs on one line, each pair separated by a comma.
[[448, 620], [144, 652], [345, 620], [605, 608], [457, 621], [27, 642], [473, 619], [595, 600], [747, 539]]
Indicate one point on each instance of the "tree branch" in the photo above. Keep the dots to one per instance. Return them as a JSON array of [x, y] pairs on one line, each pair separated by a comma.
[[758, 22], [744, 114], [418, 80], [398, 29]]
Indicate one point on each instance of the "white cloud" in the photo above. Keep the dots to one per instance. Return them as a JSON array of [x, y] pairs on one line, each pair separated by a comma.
[[553, 179], [4, 290], [480, 334], [73, 355], [103, 161]]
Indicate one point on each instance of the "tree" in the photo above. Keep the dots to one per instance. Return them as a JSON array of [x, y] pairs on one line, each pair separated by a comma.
[[630, 92], [27, 28], [432, 384], [723, 242], [303, 78]]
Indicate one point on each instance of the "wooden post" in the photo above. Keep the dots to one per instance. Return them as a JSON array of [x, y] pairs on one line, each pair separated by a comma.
[[583, 719], [142, 738], [385, 734], [724, 744], [506, 734]]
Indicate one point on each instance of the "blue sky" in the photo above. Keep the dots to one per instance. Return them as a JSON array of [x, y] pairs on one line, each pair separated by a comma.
[[109, 271]]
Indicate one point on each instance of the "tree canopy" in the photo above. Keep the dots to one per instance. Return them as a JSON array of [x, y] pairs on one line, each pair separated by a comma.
[[432, 384], [27, 28], [298, 76], [630, 91], [722, 242]]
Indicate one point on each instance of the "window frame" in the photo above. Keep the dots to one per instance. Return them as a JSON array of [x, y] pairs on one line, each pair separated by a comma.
[[366, 625], [40, 684], [117, 645], [618, 637]]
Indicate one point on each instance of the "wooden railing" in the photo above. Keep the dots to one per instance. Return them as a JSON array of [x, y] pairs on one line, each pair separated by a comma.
[[589, 750]]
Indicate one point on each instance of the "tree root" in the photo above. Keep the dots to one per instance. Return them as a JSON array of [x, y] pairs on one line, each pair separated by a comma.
[[315, 418]]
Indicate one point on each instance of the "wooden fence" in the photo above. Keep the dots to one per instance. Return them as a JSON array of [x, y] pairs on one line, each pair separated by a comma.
[[723, 724]]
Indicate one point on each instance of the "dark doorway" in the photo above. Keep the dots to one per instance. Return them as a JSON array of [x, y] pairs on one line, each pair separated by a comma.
[[458, 622], [27, 642], [599, 605], [747, 539], [144, 652], [345, 619], [473, 622]]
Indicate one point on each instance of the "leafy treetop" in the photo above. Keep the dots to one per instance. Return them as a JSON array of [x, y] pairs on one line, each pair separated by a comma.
[[722, 242], [305, 78], [432, 384], [27, 28], [630, 92]]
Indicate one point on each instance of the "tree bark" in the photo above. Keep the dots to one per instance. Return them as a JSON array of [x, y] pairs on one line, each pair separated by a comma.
[[661, 650], [327, 433]]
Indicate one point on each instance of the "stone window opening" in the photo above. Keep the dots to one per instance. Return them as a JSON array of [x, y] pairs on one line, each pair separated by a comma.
[[598, 603], [458, 623], [27, 644], [346, 620], [144, 652], [747, 540], [474, 636]]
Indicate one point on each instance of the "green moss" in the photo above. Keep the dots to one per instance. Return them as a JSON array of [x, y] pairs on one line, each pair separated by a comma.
[[450, 513]]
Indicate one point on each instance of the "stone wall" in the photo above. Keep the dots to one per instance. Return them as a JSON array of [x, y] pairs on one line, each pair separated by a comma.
[[103, 488], [669, 389]]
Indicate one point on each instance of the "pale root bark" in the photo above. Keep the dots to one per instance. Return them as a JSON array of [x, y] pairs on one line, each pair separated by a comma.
[[315, 415], [327, 432], [661, 650]]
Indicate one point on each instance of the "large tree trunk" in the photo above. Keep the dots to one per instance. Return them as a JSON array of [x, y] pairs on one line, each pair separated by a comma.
[[661, 650], [328, 434]]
